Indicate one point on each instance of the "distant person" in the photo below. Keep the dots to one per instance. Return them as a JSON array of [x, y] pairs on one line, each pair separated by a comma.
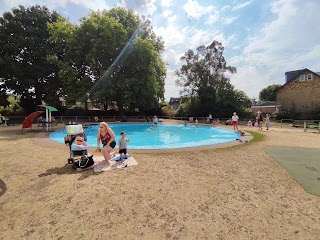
[[249, 123], [216, 121], [96, 119], [185, 124], [234, 122], [3, 121], [54, 122], [228, 122], [260, 120], [155, 121], [197, 122], [267, 123], [40, 121], [123, 145]]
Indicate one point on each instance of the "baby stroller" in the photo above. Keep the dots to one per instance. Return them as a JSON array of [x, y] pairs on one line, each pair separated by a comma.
[[76, 140]]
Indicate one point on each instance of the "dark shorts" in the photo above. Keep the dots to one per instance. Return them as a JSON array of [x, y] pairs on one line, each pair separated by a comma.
[[124, 151], [112, 144]]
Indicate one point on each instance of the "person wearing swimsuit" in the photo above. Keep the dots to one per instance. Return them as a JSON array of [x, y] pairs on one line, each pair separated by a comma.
[[107, 138]]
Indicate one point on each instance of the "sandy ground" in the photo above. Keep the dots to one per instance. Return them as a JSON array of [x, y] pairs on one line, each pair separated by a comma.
[[231, 193]]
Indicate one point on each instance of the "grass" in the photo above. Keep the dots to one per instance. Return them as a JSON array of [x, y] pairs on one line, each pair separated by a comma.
[[257, 137]]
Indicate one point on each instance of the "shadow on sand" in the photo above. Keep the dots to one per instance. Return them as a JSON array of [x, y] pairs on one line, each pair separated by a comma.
[[67, 169]]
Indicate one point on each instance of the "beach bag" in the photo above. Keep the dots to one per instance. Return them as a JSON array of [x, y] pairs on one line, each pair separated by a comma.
[[85, 162]]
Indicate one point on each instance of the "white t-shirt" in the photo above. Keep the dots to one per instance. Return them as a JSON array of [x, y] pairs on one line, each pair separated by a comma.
[[235, 118]]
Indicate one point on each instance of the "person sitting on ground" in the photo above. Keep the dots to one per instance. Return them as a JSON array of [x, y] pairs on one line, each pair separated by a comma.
[[228, 122], [249, 123], [4, 121]]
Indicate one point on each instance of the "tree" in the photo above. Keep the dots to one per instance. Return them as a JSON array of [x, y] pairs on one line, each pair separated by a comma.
[[113, 55], [24, 47], [269, 93], [4, 98], [203, 80]]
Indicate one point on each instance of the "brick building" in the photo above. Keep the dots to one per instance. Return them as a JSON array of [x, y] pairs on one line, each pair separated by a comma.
[[301, 90], [266, 107]]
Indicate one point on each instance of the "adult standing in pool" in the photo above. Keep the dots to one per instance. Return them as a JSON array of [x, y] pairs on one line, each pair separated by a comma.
[[107, 138], [234, 122], [155, 121]]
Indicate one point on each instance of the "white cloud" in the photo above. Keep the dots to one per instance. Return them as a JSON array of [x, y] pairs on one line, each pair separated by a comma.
[[171, 89], [213, 17], [142, 7], [92, 5], [229, 20], [166, 3], [242, 5], [282, 45], [195, 10]]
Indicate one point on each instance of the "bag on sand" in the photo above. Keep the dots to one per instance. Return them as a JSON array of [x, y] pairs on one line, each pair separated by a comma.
[[85, 162]]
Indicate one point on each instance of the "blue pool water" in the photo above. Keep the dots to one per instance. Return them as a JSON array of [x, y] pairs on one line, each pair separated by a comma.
[[165, 136]]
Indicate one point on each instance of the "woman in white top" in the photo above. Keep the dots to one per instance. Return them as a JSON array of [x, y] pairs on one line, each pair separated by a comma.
[[234, 122]]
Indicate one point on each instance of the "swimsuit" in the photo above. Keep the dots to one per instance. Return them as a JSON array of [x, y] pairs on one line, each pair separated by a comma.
[[106, 138]]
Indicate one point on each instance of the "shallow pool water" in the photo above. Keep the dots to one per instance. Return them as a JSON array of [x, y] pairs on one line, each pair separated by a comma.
[[165, 136]]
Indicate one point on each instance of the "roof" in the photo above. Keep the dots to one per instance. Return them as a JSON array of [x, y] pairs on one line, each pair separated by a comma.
[[174, 101], [52, 109], [266, 104], [293, 74]]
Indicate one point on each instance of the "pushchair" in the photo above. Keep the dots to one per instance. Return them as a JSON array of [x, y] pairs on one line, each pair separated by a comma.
[[76, 140]]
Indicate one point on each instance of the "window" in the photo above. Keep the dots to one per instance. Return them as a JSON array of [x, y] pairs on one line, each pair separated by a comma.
[[309, 76], [301, 78]]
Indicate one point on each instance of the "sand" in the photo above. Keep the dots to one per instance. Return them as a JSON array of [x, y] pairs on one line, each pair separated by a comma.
[[232, 193]]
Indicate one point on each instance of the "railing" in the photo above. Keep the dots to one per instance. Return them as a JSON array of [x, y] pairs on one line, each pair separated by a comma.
[[15, 120]]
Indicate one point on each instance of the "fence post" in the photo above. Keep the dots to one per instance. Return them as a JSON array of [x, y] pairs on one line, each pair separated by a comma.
[[305, 126], [281, 123]]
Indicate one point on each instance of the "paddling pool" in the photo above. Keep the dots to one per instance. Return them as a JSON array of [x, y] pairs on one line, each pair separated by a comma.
[[165, 136]]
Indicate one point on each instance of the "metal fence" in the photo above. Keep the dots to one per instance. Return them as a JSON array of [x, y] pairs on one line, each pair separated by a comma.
[[307, 123]]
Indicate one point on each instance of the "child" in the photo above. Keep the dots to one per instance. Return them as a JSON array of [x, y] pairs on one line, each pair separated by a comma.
[[123, 145], [267, 121], [197, 122], [185, 124]]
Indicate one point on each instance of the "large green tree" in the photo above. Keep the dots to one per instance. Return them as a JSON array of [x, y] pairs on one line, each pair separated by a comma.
[[24, 47], [269, 93], [109, 55], [203, 80]]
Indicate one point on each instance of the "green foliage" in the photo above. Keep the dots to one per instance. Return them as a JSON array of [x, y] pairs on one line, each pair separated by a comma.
[[3, 98], [288, 113], [269, 93], [203, 80], [13, 108], [114, 56], [24, 47]]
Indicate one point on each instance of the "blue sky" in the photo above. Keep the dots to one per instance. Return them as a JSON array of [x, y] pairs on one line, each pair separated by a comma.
[[262, 39]]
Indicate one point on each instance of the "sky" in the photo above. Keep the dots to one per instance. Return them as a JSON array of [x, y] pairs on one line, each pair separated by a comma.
[[262, 39]]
